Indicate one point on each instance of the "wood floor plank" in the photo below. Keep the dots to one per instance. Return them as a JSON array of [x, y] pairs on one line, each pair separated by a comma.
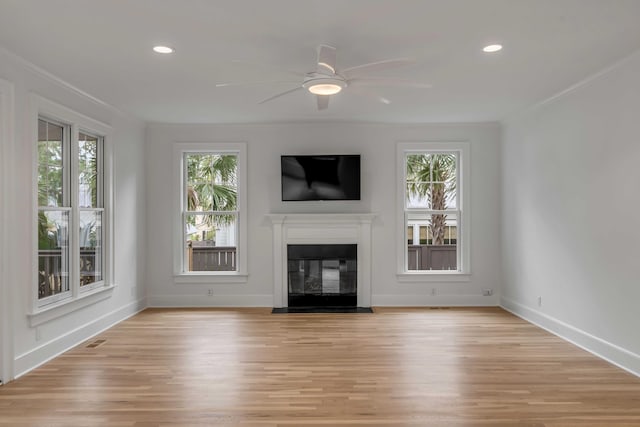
[[396, 367]]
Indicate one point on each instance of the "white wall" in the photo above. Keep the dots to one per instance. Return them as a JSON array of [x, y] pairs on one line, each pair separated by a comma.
[[34, 345], [377, 145], [570, 203]]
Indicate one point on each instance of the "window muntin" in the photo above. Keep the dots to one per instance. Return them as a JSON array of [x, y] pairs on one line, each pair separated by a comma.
[[71, 255], [210, 212], [431, 208]]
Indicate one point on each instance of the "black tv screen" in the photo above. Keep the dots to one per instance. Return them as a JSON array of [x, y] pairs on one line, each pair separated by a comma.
[[331, 177]]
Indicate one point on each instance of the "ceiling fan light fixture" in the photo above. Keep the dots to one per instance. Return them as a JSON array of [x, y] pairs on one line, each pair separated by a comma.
[[325, 86], [324, 89]]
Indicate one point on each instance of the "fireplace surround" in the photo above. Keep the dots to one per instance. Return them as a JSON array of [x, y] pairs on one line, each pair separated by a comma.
[[321, 229]]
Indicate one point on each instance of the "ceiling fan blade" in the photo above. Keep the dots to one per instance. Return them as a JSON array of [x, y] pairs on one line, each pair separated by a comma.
[[267, 67], [323, 102], [286, 92], [387, 82], [377, 66], [326, 63], [227, 84]]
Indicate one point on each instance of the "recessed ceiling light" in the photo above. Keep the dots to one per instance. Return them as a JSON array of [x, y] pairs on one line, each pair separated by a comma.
[[163, 49], [492, 48]]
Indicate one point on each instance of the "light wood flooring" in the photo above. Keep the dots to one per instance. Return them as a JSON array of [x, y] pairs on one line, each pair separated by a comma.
[[396, 367]]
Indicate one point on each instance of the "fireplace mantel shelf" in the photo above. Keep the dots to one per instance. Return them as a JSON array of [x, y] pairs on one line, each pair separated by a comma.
[[321, 228], [302, 218]]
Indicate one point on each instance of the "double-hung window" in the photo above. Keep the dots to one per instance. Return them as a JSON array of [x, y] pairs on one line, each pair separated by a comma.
[[71, 214], [212, 209], [434, 225]]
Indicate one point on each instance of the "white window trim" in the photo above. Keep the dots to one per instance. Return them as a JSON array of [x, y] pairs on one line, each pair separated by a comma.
[[464, 231], [77, 298], [210, 277], [6, 268]]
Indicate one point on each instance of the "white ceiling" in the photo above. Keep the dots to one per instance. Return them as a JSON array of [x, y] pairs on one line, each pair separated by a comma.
[[103, 47]]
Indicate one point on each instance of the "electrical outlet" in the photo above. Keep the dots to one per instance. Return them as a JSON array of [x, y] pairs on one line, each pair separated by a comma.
[[487, 292], [539, 301], [433, 291], [210, 292]]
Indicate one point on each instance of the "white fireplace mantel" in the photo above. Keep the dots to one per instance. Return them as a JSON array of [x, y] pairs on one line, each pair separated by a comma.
[[321, 229]]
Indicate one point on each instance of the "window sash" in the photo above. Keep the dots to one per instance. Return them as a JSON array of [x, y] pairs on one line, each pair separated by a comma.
[[187, 253], [428, 213], [213, 181], [431, 180], [51, 271], [84, 253]]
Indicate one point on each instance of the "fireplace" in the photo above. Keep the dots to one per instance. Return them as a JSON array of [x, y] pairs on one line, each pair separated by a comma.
[[341, 271], [322, 275]]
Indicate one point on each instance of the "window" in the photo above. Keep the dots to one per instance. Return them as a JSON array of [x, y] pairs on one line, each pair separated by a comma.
[[70, 232], [212, 209], [431, 177]]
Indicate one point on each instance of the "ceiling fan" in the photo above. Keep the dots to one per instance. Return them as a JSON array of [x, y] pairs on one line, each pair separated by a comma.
[[328, 80]]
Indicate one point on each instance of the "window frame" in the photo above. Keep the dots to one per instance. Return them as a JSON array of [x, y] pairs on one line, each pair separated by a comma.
[[180, 150], [42, 310], [461, 150]]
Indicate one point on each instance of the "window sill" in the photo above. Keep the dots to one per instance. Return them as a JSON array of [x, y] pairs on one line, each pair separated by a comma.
[[64, 307], [211, 277], [417, 277]]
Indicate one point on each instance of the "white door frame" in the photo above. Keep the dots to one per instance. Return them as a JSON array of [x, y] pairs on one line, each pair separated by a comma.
[[6, 189]]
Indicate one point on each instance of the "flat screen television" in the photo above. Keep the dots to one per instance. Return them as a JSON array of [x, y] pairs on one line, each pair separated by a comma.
[[322, 177]]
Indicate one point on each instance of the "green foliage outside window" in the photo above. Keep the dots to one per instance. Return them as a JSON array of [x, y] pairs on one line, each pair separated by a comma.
[[432, 177]]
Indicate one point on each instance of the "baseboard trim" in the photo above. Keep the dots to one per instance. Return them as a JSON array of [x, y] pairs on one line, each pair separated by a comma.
[[605, 350], [179, 301], [434, 301], [30, 360], [267, 301]]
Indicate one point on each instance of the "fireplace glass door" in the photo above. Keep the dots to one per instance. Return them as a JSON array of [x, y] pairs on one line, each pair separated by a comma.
[[322, 275]]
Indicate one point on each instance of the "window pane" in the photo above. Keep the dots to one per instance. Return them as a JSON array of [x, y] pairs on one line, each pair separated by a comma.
[[88, 179], [444, 188], [418, 180], [210, 242], [211, 182], [91, 249], [418, 195], [410, 234], [425, 235], [50, 164], [438, 242], [53, 253]]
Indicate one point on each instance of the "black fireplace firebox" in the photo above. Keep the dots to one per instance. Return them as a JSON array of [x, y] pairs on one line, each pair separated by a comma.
[[322, 275]]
